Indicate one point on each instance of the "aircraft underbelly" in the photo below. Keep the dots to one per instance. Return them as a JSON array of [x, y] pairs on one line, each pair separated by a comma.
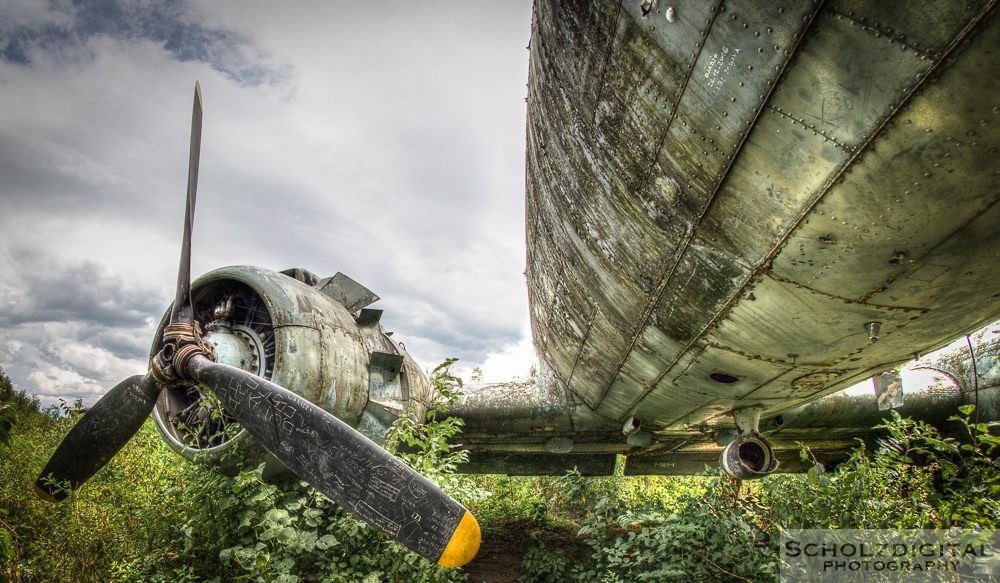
[[716, 206]]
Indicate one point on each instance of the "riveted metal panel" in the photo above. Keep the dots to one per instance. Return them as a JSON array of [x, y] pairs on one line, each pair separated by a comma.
[[750, 375], [846, 80], [922, 181], [792, 324], [684, 392], [664, 258], [591, 373], [738, 59], [566, 320], [579, 232], [742, 56], [663, 409], [592, 208], [298, 359], [558, 314], [703, 282], [835, 153], [643, 84], [906, 23], [781, 169], [652, 354], [973, 255], [574, 41]]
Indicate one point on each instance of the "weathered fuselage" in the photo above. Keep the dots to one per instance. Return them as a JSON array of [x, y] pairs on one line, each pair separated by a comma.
[[726, 200], [716, 206]]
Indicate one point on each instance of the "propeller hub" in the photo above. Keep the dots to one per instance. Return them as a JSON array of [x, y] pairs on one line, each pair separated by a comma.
[[237, 346], [181, 342]]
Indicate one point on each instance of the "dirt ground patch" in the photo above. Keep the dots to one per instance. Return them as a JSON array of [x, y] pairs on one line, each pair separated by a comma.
[[503, 546]]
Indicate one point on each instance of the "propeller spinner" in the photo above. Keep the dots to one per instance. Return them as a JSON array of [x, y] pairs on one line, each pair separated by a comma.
[[320, 448]]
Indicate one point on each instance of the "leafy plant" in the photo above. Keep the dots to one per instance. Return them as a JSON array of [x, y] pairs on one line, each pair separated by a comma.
[[545, 566], [289, 532], [914, 478], [152, 516], [426, 444], [689, 538]]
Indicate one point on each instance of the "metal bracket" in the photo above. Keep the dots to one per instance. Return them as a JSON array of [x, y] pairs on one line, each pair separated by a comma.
[[181, 342], [351, 294], [748, 420], [888, 390], [368, 317]]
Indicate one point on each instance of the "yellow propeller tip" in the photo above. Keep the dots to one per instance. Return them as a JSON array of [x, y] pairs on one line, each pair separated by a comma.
[[464, 543]]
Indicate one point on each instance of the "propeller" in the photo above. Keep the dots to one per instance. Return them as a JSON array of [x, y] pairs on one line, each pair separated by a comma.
[[107, 426], [103, 430], [321, 449]]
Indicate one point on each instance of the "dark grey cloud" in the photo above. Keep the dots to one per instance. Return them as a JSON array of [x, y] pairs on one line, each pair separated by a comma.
[[41, 289], [127, 343], [72, 329], [169, 23]]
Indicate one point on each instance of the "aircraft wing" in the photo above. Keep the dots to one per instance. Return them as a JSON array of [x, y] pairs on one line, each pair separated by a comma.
[[528, 427]]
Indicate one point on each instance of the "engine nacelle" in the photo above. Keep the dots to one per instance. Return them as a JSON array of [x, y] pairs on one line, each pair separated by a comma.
[[309, 335], [749, 458]]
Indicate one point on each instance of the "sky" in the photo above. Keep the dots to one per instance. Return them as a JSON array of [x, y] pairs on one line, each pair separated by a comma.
[[383, 140]]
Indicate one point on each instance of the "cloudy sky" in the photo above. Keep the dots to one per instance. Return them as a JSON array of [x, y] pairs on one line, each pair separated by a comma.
[[384, 140]]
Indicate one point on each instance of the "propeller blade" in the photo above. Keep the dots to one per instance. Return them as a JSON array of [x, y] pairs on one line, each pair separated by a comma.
[[182, 310], [97, 437], [344, 465]]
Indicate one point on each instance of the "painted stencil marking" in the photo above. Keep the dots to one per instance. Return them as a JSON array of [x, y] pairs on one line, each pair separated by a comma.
[[720, 66]]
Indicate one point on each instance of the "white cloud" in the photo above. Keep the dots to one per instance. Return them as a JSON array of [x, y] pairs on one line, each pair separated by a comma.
[[513, 361], [52, 383], [96, 362], [72, 359]]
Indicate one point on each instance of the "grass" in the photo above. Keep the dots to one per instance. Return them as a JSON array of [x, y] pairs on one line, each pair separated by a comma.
[[150, 515]]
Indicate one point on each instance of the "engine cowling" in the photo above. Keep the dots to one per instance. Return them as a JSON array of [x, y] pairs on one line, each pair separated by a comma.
[[749, 457], [313, 336]]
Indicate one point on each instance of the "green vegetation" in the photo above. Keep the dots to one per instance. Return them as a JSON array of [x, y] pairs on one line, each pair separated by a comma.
[[152, 516], [729, 531]]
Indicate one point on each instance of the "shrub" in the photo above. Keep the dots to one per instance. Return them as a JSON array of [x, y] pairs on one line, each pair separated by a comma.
[[914, 479], [102, 524]]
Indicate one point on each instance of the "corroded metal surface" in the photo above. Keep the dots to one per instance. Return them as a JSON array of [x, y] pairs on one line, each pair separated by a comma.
[[319, 352], [720, 202], [736, 193]]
